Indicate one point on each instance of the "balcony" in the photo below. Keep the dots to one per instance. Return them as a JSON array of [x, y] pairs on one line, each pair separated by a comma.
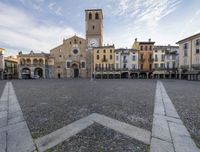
[[184, 66], [125, 61], [141, 59], [196, 66], [150, 59], [104, 60]]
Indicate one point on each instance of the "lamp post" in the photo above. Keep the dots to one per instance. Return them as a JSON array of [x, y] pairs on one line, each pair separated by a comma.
[[90, 49]]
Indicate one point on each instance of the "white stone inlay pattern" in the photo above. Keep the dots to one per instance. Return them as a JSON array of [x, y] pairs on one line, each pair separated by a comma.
[[169, 133]]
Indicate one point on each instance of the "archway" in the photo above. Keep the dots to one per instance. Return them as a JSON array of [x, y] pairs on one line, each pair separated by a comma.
[[38, 72], [75, 70], [26, 73]]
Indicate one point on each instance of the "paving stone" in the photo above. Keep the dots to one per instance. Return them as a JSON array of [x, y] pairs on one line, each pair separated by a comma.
[[3, 141], [124, 128], [158, 145], [175, 120], [15, 120], [160, 128], [62, 134], [3, 114], [178, 129], [159, 108], [19, 139], [3, 122], [183, 143]]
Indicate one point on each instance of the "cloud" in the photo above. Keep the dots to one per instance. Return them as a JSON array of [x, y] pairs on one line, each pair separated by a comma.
[[149, 12], [19, 30], [55, 9]]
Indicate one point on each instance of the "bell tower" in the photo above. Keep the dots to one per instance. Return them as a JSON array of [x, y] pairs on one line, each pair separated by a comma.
[[94, 27]]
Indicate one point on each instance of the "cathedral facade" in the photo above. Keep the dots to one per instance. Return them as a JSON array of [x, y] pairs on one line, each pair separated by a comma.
[[73, 58]]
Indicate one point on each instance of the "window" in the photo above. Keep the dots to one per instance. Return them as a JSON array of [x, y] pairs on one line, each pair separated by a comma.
[[97, 57], [133, 66], [141, 56], [110, 51], [96, 16], [198, 42], [58, 67], [110, 57], [60, 56], [133, 58], [162, 65], [104, 51], [97, 51], [141, 66], [83, 65], [174, 65], [70, 42], [156, 57], [167, 65], [185, 46], [93, 27], [163, 57], [150, 48], [150, 66], [197, 51], [117, 58], [156, 50], [90, 16], [75, 51], [80, 42], [117, 65], [173, 57], [185, 52], [141, 48], [124, 66], [145, 48], [75, 42], [104, 57], [68, 64], [156, 65]]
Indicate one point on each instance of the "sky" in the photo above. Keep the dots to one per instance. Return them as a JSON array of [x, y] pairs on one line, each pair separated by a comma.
[[41, 25]]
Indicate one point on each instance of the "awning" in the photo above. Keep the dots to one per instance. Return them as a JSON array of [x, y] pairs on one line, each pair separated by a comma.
[[159, 72], [193, 72]]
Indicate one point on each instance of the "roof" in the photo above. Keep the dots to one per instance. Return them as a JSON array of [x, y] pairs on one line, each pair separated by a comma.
[[165, 46], [147, 42], [93, 10], [188, 38], [123, 49], [102, 47]]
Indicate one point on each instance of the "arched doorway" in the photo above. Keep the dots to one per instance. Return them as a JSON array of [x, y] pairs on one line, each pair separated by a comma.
[[75, 70], [26, 73], [38, 72]]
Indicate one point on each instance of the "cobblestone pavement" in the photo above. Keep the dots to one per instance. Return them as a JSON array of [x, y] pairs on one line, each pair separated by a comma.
[[97, 138], [2, 85], [49, 105], [185, 96]]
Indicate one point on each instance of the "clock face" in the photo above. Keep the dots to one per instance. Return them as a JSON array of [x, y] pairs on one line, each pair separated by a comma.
[[93, 43]]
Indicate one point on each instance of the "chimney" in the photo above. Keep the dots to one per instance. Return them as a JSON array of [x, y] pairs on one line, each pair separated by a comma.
[[149, 40], [135, 39]]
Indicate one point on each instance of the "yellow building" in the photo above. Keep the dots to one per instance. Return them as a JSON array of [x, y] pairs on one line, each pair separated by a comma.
[[145, 57], [104, 60]]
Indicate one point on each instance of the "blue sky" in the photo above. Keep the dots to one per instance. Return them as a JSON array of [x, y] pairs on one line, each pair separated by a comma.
[[40, 25]]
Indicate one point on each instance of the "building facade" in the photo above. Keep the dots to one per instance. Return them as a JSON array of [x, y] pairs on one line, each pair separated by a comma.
[[35, 64], [126, 61], [104, 60], [11, 68], [145, 57], [1, 62], [189, 57], [70, 58], [165, 61]]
